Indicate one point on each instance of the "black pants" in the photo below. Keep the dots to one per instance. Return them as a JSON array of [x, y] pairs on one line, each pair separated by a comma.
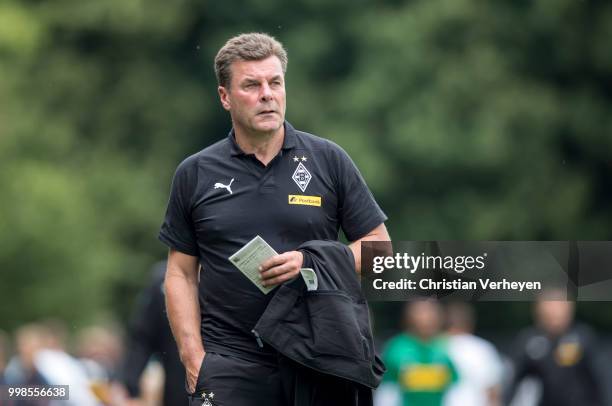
[[231, 381]]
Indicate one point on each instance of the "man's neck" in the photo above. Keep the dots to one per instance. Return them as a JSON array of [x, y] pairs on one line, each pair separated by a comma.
[[457, 331], [264, 146]]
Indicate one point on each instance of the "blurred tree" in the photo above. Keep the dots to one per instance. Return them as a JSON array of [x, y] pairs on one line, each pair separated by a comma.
[[482, 120], [469, 119]]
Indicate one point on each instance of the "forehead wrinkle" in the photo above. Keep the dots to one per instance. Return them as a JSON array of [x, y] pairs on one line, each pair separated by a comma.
[[256, 74], [255, 70]]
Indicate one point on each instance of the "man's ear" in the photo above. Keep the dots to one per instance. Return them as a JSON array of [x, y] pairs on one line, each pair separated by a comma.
[[224, 97]]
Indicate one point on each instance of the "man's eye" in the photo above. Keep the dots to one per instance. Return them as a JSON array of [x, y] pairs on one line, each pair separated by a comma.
[[251, 85]]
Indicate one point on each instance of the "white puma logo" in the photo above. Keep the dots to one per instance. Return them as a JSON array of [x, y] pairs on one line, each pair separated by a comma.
[[220, 185]]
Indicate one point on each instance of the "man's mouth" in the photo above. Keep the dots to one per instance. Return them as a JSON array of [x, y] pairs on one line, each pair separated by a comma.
[[266, 112]]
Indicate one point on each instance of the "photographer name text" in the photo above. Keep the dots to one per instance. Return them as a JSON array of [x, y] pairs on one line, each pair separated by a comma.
[[456, 284]]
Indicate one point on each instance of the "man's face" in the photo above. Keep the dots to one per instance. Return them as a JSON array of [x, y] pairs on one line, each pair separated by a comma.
[[256, 95], [554, 316], [424, 318]]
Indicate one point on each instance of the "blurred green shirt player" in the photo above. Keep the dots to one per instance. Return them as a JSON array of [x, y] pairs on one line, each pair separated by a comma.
[[417, 360]]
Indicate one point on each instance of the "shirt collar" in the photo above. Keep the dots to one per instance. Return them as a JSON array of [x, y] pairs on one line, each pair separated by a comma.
[[288, 142]]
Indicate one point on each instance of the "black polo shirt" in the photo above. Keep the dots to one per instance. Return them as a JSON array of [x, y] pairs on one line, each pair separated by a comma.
[[221, 198]]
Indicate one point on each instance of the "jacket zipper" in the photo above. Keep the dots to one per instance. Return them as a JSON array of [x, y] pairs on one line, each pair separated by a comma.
[[257, 338]]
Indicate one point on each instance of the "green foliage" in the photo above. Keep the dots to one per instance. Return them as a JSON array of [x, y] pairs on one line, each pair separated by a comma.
[[469, 120]]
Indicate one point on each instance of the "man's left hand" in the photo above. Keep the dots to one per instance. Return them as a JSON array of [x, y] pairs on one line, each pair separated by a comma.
[[281, 268]]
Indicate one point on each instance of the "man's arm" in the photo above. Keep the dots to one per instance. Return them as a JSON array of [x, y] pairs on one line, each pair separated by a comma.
[[182, 305], [377, 234]]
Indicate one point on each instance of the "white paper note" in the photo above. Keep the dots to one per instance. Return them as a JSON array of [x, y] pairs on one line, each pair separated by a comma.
[[248, 259], [310, 278]]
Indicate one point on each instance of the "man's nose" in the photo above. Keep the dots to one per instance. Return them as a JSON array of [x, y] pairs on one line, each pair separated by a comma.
[[266, 92]]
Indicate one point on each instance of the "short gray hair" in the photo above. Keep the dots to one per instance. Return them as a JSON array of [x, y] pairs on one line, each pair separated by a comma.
[[253, 46]]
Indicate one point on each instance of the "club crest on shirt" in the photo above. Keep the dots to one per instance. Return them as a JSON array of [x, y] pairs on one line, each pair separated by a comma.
[[301, 177], [208, 399]]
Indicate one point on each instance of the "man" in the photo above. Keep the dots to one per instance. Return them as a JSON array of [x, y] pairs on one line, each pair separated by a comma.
[[4, 354], [149, 334], [22, 369], [417, 360], [266, 179], [560, 354], [477, 361]]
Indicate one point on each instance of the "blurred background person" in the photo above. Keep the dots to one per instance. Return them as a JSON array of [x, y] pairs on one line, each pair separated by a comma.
[[4, 354], [419, 370], [59, 367], [42, 359], [477, 361], [149, 336], [560, 354], [99, 350], [22, 369]]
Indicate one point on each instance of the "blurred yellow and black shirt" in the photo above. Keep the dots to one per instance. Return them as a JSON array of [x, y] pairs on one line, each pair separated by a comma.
[[566, 366]]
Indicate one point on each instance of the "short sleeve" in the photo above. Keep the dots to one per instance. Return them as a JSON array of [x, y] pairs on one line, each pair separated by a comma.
[[177, 230], [359, 212]]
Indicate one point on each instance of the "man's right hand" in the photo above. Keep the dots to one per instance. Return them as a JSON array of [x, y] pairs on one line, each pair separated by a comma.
[[192, 368]]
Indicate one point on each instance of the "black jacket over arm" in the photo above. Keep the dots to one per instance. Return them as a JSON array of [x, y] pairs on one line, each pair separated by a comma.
[[326, 330]]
